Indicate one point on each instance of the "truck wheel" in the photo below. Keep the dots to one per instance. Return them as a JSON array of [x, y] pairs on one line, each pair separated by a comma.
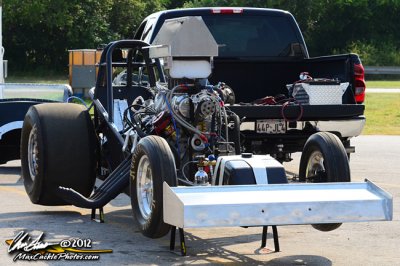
[[57, 149], [324, 159], [152, 164]]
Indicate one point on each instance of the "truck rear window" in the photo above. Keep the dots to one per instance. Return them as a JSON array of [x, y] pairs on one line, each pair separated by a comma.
[[242, 36]]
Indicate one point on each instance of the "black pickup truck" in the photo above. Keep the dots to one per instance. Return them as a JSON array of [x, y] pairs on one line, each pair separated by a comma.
[[260, 52]]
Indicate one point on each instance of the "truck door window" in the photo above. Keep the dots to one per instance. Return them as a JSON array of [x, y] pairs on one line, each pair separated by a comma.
[[139, 31], [147, 29]]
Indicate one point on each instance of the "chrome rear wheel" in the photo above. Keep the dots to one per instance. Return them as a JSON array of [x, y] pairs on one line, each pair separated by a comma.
[[33, 154]]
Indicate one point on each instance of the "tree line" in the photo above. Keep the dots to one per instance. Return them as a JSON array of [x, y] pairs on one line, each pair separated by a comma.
[[38, 34]]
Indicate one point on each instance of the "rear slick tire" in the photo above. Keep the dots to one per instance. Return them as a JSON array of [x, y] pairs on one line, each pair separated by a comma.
[[57, 149], [324, 159]]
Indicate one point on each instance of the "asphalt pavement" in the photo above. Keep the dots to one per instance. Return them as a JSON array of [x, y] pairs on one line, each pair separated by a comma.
[[377, 158]]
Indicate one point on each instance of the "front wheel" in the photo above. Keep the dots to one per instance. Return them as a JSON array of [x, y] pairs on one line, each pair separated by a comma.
[[324, 159], [152, 163]]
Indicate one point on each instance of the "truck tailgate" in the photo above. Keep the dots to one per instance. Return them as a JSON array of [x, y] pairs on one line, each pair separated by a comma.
[[310, 112]]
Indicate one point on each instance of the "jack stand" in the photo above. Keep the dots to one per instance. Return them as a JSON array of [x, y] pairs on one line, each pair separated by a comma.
[[101, 215], [182, 240], [275, 235]]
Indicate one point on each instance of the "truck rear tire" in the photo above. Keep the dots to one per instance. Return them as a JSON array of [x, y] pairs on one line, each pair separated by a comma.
[[324, 159], [152, 163], [57, 149]]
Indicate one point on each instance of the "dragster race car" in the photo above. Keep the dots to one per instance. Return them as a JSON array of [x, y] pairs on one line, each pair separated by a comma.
[[171, 140]]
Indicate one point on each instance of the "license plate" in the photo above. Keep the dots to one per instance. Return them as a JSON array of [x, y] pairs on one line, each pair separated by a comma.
[[271, 126]]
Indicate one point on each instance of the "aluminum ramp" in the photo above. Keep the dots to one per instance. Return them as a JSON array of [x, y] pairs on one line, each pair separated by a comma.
[[283, 204]]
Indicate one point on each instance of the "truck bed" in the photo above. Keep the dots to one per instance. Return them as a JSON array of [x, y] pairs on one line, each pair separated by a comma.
[[254, 78]]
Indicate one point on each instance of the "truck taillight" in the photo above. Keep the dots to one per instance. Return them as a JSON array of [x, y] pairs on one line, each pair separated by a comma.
[[227, 10], [359, 83]]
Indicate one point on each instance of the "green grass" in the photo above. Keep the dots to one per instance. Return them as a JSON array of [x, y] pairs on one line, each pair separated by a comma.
[[57, 79], [387, 84], [382, 111]]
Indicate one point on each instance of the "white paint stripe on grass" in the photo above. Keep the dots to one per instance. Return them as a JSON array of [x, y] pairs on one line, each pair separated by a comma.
[[381, 90]]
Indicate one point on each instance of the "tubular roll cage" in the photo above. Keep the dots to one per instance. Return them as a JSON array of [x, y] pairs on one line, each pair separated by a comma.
[[106, 68], [103, 98]]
